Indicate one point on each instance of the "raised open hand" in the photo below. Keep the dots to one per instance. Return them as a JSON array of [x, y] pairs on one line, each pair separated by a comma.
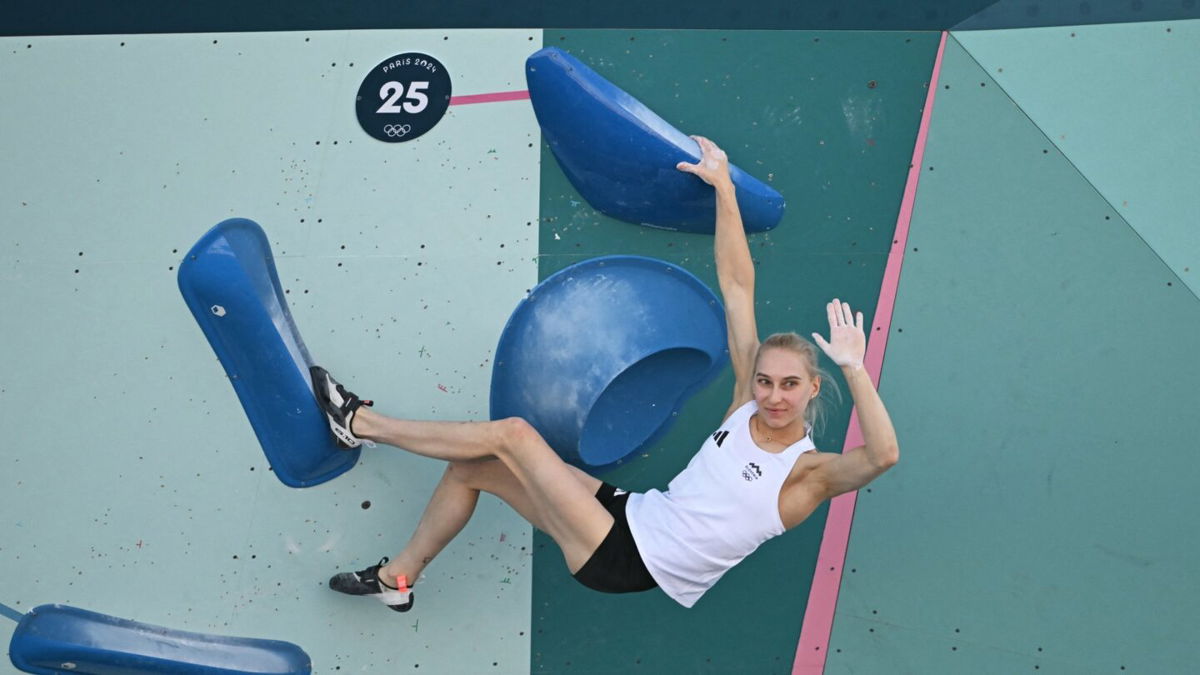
[[847, 343], [713, 167]]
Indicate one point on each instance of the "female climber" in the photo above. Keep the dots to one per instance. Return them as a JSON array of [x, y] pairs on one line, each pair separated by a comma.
[[755, 477]]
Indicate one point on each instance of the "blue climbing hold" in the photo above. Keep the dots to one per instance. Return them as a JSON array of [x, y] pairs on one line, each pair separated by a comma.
[[229, 282], [621, 156], [54, 639], [601, 355]]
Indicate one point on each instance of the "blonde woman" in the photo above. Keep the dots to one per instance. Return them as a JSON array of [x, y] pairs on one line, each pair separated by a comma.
[[755, 477]]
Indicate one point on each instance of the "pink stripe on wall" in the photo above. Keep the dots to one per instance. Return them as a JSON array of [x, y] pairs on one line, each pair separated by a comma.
[[490, 98], [827, 579]]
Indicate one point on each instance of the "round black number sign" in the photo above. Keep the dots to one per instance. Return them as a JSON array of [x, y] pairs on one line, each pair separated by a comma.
[[403, 97]]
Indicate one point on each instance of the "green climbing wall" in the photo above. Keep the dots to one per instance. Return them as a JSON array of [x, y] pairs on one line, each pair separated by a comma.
[[1042, 392], [1038, 370], [828, 119]]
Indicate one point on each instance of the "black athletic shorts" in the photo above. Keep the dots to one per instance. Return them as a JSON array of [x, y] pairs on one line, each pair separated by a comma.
[[616, 566]]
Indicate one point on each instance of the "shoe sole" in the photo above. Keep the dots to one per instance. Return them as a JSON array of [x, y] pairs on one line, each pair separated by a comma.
[[321, 380]]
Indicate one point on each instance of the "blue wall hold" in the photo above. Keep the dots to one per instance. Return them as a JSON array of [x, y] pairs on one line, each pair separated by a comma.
[[229, 282], [621, 156], [53, 639], [600, 356]]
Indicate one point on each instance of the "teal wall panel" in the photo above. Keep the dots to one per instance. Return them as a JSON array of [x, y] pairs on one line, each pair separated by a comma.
[[828, 119], [1043, 400], [1112, 99], [128, 464]]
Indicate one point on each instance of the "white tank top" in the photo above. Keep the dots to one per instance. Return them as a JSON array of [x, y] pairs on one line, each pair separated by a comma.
[[716, 512]]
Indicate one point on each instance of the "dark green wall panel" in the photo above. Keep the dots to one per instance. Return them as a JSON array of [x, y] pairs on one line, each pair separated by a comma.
[[1028, 14], [829, 119]]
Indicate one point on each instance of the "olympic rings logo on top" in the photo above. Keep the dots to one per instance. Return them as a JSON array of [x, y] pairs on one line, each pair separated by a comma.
[[396, 130]]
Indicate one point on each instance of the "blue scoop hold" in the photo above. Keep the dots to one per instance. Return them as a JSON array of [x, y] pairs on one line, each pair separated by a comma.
[[601, 355], [228, 280], [52, 639], [621, 156]]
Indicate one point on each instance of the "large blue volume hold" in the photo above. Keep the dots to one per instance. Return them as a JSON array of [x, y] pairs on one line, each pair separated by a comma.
[[621, 156], [600, 356], [53, 639], [229, 282]]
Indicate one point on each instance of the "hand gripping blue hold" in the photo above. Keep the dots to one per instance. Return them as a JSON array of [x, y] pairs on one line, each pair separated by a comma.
[[229, 282], [53, 639], [621, 156], [600, 356]]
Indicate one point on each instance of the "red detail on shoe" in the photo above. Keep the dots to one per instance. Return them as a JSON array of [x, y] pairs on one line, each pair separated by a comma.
[[402, 583]]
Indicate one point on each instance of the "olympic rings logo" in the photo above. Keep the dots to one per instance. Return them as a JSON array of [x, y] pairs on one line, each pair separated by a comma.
[[396, 130]]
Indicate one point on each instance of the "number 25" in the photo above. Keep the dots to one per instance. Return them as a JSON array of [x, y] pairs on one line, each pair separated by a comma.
[[415, 102]]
